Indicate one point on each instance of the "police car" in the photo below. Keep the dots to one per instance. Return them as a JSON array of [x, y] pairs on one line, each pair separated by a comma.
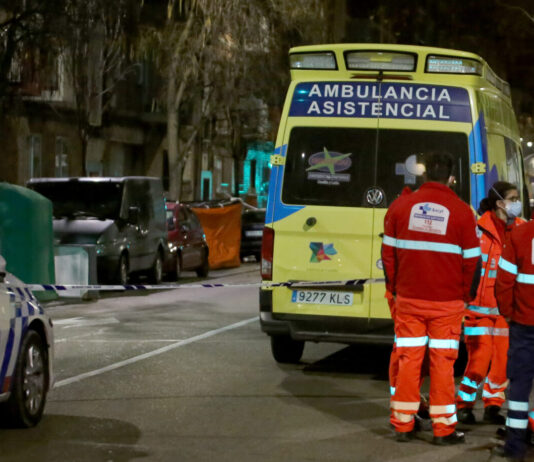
[[26, 353]]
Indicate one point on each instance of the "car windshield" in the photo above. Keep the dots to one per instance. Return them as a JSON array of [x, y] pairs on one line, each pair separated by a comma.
[[338, 166], [256, 216], [83, 199]]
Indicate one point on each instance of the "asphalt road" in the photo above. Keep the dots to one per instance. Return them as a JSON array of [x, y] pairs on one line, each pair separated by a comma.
[[187, 375]]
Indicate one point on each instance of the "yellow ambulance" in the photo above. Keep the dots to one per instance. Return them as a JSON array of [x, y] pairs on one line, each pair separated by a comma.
[[357, 121]]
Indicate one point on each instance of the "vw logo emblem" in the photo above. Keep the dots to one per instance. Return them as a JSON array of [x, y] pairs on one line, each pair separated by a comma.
[[374, 196]]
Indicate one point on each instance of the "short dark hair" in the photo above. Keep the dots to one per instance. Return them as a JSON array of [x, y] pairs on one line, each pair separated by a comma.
[[439, 165]]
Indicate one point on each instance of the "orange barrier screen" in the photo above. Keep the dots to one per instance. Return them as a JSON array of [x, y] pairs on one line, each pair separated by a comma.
[[222, 226]]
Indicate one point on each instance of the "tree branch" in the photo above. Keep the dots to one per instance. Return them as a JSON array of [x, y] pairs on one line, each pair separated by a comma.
[[515, 7]]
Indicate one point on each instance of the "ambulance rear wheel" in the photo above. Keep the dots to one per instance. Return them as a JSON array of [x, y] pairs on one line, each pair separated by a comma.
[[285, 349]]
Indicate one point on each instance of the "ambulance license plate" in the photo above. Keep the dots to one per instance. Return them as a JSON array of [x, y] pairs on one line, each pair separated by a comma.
[[322, 297]]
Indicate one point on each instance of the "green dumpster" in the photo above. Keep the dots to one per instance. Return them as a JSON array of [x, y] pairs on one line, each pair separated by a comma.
[[26, 236]]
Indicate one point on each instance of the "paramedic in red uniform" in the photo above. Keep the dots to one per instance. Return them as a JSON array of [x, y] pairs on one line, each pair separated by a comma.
[[431, 259], [422, 416], [485, 330], [515, 296]]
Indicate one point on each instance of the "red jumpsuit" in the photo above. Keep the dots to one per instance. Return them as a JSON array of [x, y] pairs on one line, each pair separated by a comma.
[[394, 359], [514, 291], [485, 330], [430, 254]]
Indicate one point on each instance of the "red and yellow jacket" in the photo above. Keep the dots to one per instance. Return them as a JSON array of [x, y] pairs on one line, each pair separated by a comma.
[[430, 249], [514, 289], [491, 243]]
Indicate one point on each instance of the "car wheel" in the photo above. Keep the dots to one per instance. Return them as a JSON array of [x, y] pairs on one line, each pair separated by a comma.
[[122, 270], [203, 270], [29, 383], [156, 272], [285, 349]]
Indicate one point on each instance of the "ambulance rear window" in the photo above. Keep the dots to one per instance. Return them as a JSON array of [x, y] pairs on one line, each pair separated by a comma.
[[339, 166]]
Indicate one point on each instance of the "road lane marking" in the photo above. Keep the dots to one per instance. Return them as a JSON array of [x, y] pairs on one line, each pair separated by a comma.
[[67, 321], [148, 340], [78, 336], [85, 322], [165, 349]]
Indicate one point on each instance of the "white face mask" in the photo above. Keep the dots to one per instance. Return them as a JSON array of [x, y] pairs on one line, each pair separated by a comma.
[[513, 209]]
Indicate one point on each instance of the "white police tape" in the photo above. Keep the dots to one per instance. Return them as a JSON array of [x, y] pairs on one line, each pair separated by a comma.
[[289, 284]]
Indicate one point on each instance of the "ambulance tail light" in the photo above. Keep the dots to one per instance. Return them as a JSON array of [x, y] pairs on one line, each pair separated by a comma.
[[325, 60], [436, 64], [267, 247], [380, 61]]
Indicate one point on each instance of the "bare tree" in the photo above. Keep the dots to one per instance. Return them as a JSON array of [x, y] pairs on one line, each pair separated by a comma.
[[95, 43], [246, 68], [212, 53], [177, 47], [24, 24], [522, 10]]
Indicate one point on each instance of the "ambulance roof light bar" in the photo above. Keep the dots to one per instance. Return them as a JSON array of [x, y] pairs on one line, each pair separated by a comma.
[[436, 64], [369, 60], [324, 60]]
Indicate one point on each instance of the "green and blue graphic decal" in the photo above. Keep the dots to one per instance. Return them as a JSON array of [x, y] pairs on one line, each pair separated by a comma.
[[321, 251]]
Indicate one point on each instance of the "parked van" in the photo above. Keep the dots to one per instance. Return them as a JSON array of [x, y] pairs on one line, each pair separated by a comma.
[[124, 218], [357, 122]]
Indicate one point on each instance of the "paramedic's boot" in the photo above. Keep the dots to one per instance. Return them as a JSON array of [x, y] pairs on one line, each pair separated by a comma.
[[466, 416], [455, 437], [491, 415], [404, 437], [422, 418], [499, 453]]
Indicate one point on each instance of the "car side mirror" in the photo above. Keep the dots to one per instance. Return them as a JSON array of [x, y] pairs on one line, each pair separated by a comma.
[[133, 215]]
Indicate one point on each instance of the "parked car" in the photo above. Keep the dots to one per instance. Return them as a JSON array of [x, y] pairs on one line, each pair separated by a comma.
[[26, 353], [252, 223], [123, 218], [188, 249]]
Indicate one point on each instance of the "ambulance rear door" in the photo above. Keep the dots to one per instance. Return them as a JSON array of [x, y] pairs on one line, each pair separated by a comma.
[[323, 224], [415, 119]]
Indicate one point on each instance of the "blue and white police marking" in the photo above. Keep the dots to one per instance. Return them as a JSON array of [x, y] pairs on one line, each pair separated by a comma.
[[19, 308]]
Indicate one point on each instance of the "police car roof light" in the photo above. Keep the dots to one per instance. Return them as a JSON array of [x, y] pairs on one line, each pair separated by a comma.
[[436, 64], [321, 60], [380, 61]]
